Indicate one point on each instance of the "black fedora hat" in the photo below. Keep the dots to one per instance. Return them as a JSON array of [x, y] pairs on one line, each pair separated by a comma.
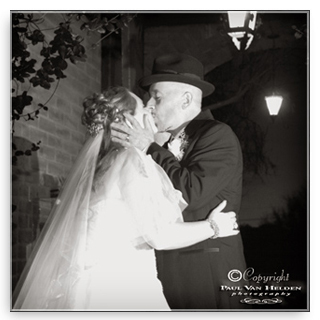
[[178, 67]]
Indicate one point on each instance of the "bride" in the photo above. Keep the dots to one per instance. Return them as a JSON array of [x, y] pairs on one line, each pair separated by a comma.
[[117, 205]]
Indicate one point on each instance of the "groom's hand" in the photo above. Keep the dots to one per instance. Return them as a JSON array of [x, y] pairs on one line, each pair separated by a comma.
[[133, 134]]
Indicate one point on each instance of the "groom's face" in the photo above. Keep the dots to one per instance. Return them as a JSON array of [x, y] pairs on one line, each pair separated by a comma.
[[166, 99]]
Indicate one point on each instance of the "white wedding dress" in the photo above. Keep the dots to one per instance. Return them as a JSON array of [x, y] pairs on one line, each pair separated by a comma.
[[97, 254]]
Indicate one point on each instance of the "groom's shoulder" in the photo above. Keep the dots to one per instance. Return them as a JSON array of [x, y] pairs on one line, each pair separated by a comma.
[[214, 132], [212, 126], [205, 126], [205, 121]]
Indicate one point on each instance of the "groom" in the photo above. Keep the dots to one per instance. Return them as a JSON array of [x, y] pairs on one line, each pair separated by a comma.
[[205, 164]]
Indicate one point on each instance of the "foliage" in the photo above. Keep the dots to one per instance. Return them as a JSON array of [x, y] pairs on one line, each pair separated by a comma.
[[54, 57], [17, 153], [283, 237], [282, 244], [65, 46]]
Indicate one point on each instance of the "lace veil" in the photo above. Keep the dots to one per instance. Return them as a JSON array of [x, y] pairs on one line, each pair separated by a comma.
[[56, 262], [52, 278]]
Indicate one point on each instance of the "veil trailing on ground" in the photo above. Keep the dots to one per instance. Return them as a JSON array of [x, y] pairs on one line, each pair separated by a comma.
[[49, 280]]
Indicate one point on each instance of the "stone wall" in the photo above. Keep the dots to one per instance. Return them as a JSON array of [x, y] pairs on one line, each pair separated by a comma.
[[37, 178]]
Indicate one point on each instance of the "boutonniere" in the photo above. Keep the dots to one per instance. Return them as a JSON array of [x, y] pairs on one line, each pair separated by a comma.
[[178, 145]]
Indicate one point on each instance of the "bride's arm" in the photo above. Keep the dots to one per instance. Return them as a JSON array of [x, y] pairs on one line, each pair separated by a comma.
[[156, 206], [183, 234], [180, 235]]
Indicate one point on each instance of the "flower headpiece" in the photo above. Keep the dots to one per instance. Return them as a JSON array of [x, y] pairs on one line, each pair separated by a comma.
[[108, 113], [94, 128]]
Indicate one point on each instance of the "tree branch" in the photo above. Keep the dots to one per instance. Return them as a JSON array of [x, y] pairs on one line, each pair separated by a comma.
[[241, 92]]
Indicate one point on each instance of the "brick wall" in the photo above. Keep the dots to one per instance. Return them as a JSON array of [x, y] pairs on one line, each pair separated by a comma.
[[36, 178]]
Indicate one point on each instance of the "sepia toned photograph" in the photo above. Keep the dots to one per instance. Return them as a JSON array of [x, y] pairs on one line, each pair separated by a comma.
[[160, 161]]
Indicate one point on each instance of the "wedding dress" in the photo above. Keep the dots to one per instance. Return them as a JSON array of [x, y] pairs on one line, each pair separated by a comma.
[[95, 252]]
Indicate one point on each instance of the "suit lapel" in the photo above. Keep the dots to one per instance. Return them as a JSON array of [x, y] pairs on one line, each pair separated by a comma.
[[193, 127]]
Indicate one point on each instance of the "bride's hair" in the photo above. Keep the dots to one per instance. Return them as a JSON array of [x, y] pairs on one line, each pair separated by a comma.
[[100, 110]]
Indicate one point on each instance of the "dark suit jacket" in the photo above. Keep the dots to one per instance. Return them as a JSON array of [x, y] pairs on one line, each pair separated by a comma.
[[209, 172]]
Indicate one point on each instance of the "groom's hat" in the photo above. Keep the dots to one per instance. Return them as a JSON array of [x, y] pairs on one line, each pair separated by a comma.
[[178, 67]]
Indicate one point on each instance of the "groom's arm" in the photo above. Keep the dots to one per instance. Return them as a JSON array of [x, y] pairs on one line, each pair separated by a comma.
[[207, 168]]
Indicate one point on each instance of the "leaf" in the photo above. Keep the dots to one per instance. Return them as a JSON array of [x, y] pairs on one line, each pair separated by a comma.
[[110, 27], [36, 36], [29, 66], [15, 20], [83, 58], [15, 116], [120, 24], [21, 79], [73, 59], [59, 74], [46, 65], [20, 29], [45, 84], [35, 81], [35, 148], [27, 98], [62, 51], [19, 153], [84, 26], [45, 52], [20, 102], [78, 50], [59, 63]]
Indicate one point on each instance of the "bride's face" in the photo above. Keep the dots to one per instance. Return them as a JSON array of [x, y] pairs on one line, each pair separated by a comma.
[[139, 107], [140, 111]]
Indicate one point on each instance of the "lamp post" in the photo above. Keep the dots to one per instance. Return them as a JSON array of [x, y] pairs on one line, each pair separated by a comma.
[[240, 27], [273, 101]]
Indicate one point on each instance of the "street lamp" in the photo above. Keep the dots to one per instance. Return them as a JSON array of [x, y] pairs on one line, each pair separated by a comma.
[[274, 104], [240, 27]]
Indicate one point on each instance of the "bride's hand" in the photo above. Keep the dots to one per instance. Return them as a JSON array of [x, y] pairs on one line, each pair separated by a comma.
[[225, 222]]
